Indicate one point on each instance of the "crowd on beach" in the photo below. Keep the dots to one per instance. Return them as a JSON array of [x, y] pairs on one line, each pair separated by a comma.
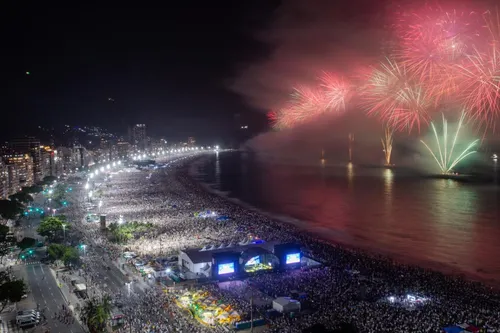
[[349, 287]]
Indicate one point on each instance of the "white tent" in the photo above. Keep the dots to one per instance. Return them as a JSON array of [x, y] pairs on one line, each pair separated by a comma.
[[286, 304], [80, 287]]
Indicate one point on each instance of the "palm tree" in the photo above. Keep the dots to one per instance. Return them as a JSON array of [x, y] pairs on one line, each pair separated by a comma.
[[96, 314]]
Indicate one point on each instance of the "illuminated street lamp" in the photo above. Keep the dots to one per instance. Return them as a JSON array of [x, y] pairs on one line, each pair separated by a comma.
[[86, 186], [64, 230]]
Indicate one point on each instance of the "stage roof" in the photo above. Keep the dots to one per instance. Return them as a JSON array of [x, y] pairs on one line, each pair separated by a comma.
[[197, 256]]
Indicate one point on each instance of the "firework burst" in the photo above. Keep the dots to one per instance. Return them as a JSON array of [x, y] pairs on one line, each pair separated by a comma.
[[305, 105], [438, 58], [444, 156], [337, 92], [401, 102], [480, 85], [492, 20]]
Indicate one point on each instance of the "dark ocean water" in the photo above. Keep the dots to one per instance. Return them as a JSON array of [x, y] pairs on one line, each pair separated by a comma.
[[444, 224]]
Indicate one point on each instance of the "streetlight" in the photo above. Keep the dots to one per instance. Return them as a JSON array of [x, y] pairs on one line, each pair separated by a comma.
[[53, 211], [84, 247], [64, 230], [87, 186]]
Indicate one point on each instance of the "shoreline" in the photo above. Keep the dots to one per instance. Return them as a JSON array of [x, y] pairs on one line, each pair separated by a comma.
[[299, 226]]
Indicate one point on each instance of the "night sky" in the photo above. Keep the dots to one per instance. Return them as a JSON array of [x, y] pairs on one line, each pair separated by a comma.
[[168, 67]]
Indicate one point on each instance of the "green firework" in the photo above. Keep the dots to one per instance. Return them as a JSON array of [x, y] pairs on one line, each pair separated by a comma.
[[444, 155]]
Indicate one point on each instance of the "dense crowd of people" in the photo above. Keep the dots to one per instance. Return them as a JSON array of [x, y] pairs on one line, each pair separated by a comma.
[[351, 286]]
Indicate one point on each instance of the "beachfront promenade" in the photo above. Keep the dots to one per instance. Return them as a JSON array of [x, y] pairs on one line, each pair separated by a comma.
[[351, 287]]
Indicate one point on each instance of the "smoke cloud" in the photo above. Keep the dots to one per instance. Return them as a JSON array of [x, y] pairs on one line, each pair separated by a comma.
[[306, 38]]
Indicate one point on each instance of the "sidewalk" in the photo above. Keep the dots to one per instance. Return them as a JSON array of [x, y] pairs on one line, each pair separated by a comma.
[[68, 296], [125, 268]]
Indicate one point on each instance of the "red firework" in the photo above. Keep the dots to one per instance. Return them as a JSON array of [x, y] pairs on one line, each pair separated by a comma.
[[480, 85], [305, 104], [337, 91], [439, 58], [432, 40], [277, 119], [396, 98]]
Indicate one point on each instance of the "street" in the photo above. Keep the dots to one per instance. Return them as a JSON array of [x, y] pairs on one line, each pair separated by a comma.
[[44, 289], [48, 296]]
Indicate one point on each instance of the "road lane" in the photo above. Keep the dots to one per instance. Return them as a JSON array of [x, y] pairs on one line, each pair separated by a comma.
[[47, 294]]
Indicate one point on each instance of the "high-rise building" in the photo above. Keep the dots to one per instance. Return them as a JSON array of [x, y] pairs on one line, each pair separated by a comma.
[[30, 145], [139, 136], [4, 181], [65, 156], [24, 168], [80, 157], [122, 148], [13, 179], [51, 163], [57, 163], [46, 162]]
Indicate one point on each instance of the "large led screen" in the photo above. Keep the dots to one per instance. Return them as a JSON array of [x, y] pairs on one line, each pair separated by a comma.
[[292, 258], [226, 268]]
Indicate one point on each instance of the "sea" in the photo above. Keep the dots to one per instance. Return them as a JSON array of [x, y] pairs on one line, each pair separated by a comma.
[[443, 224]]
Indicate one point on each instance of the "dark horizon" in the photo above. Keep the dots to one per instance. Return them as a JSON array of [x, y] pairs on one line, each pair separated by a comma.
[[113, 67]]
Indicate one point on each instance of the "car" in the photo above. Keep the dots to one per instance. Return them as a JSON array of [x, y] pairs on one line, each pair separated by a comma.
[[27, 322], [28, 313]]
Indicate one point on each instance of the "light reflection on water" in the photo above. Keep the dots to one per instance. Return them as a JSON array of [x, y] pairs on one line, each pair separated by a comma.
[[444, 223]]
